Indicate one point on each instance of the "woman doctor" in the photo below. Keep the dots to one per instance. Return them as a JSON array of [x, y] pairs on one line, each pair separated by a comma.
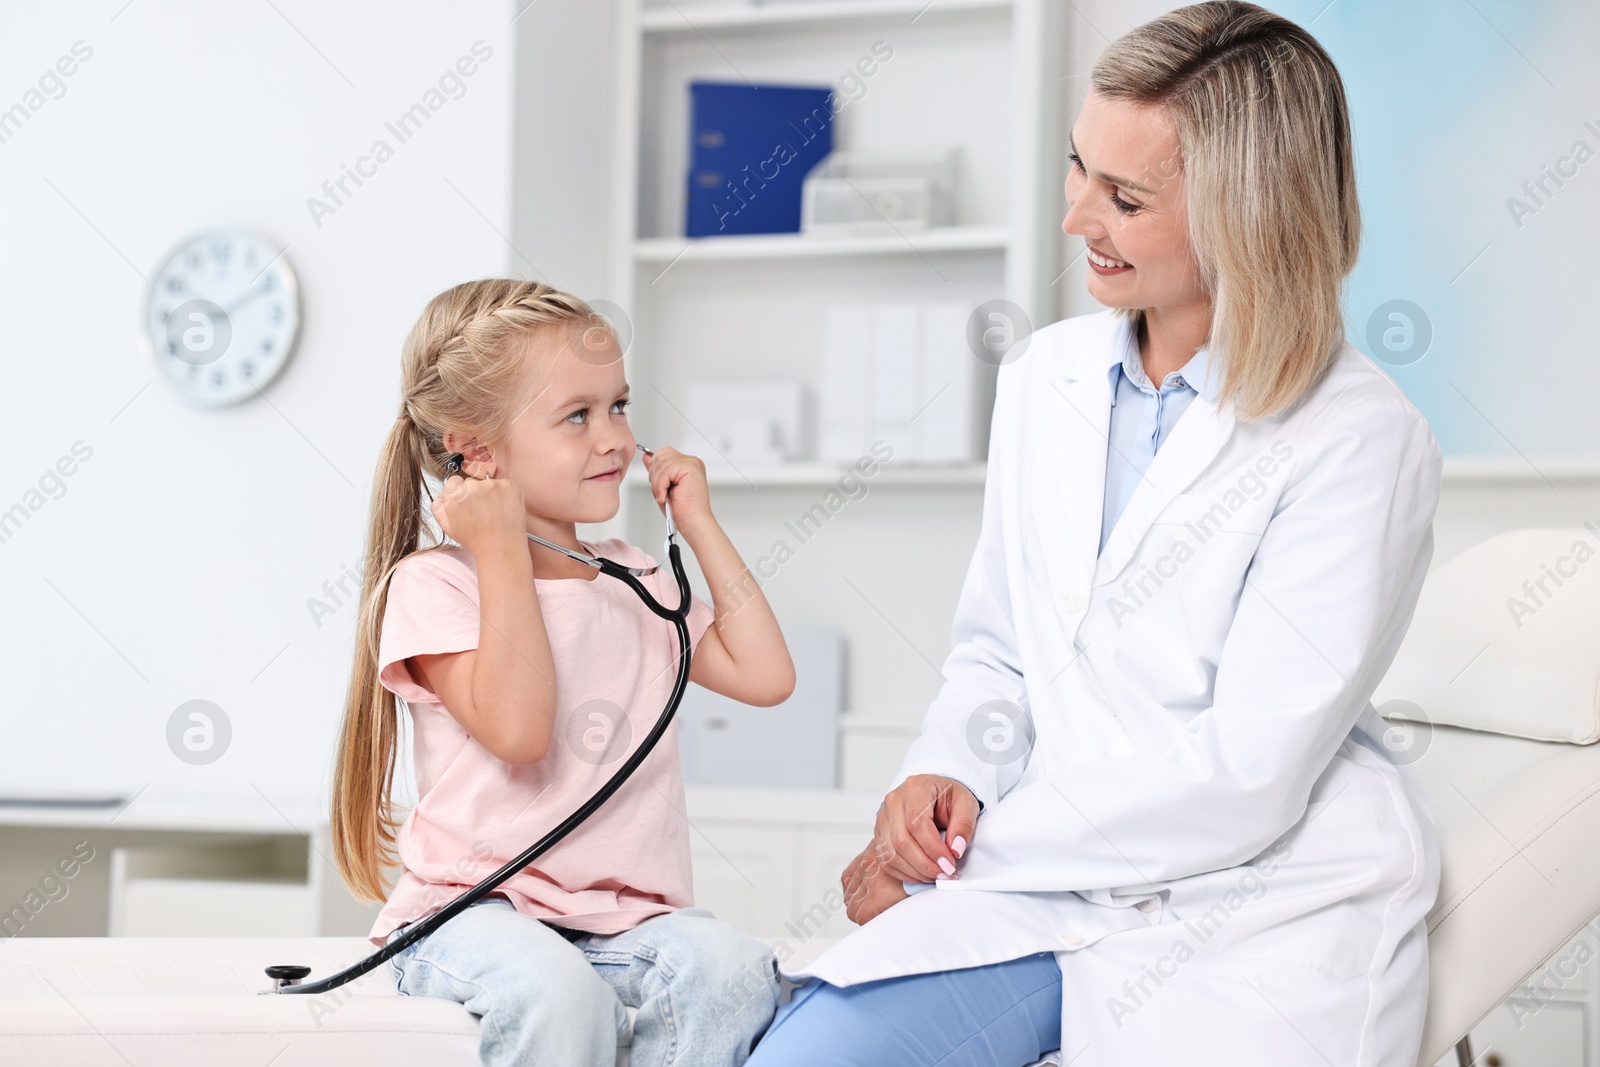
[[1150, 817]]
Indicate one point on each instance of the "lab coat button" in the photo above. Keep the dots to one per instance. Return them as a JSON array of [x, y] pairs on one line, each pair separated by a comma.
[[1071, 938], [1146, 904], [1076, 602]]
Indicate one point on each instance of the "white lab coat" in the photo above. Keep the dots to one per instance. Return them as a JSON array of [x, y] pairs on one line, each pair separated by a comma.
[[1206, 829]]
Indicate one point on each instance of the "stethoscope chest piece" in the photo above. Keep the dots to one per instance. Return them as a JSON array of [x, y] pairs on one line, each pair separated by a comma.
[[286, 974]]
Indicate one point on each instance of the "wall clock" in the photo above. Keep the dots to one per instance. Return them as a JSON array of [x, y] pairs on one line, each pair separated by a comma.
[[221, 316]]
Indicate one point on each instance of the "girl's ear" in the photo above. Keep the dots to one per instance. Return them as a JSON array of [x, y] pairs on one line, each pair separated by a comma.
[[478, 461]]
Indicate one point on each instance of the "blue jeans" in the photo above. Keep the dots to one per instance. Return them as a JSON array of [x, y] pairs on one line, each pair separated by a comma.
[[547, 995], [1001, 1015]]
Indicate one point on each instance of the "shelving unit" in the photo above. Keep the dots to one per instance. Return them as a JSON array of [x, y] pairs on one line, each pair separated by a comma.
[[670, 250], [983, 74], [169, 864], [695, 18]]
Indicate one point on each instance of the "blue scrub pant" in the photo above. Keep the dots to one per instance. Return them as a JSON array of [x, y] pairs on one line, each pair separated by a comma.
[[1000, 1015]]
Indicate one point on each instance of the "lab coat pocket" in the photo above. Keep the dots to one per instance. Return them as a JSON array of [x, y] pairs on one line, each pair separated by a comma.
[[1190, 567], [1206, 514], [1323, 902]]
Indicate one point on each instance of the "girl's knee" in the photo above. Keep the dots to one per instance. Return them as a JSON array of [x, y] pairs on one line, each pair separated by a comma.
[[743, 982], [733, 977], [719, 949]]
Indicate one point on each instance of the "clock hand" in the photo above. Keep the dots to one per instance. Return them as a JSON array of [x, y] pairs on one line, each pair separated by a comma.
[[247, 296]]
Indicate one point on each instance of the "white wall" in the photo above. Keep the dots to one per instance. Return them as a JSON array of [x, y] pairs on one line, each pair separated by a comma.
[[176, 562], [560, 164]]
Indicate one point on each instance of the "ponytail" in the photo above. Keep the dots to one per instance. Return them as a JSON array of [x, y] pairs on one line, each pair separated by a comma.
[[362, 821]]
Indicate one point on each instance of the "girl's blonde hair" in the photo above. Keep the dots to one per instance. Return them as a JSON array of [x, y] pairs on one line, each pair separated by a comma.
[[464, 368], [1274, 222]]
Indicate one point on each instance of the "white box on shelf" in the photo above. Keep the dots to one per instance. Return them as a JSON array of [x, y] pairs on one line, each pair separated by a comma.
[[746, 424], [902, 373], [879, 191], [844, 420], [893, 374], [950, 426], [795, 743]]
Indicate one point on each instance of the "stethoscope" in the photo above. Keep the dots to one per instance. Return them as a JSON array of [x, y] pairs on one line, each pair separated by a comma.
[[289, 978]]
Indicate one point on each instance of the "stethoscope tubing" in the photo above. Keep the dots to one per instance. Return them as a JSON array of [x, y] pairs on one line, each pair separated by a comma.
[[419, 930]]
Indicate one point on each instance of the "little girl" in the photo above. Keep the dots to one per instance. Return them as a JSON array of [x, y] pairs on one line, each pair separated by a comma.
[[529, 677]]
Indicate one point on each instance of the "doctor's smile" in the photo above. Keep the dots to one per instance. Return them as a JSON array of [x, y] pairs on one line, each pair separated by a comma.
[[1106, 265]]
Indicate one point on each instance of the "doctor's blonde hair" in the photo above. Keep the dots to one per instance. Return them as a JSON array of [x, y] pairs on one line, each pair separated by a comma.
[[464, 367], [1274, 221]]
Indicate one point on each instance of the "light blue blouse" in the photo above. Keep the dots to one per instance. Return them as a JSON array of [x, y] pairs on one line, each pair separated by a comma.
[[1142, 418]]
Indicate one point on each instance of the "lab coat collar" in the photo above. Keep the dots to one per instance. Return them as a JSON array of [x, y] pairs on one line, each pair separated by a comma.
[[1123, 357], [1066, 468]]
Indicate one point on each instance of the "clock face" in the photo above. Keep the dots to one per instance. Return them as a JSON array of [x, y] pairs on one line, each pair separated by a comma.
[[221, 316]]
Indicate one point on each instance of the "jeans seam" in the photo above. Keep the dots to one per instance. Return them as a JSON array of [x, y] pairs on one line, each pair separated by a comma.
[[648, 954], [399, 973], [663, 968]]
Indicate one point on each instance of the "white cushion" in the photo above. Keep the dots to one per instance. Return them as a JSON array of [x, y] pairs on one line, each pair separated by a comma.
[[181, 1001], [191, 1001], [1519, 873], [1506, 638]]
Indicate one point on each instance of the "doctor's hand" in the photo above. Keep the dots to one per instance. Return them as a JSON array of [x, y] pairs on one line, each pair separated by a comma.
[[869, 890], [907, 834]]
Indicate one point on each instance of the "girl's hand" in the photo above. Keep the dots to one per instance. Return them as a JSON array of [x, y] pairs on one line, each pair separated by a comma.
[[869, 889], [685, 477], [483, 514]]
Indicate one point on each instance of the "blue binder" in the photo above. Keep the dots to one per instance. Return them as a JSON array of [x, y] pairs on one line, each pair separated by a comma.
[[750, 149]]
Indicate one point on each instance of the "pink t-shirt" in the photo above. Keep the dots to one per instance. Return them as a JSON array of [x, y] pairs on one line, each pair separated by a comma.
[[615, 664]]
